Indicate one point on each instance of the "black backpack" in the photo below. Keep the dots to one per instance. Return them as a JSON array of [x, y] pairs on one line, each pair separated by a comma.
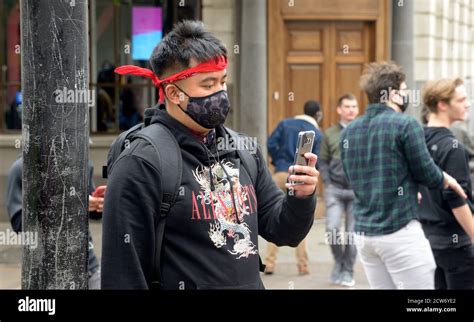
[[169, 156]]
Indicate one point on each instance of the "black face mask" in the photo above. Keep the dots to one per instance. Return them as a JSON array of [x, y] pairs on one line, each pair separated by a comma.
[[406, 103], [208, 111]]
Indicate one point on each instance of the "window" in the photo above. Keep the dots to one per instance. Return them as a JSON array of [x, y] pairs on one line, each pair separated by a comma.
[[10, 63], [119, 101], [119, 31]]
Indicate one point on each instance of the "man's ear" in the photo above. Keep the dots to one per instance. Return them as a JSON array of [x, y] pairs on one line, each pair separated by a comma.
[[442, 106], [174, 95], [319, 116], [391, 95]]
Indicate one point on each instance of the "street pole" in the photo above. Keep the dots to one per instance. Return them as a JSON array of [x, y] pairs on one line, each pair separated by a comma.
[[54, 80]]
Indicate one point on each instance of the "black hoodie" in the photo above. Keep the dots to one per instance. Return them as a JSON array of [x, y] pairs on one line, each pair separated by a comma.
[[436, 215], [205, 245]]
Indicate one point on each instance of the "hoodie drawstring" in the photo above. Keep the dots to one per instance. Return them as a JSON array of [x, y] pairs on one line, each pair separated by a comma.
[[229, 179], [211, 180]]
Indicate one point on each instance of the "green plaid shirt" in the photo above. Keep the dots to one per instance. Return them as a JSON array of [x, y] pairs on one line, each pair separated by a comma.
[[385, 157]]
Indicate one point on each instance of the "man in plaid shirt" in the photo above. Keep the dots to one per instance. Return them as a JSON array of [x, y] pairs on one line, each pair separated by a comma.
[[384, 156]]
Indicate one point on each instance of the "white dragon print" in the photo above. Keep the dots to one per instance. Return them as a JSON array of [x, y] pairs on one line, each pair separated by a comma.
[[226, 226]]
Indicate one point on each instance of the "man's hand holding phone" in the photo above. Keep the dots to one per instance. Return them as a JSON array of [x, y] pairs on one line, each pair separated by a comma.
[[304, 179]]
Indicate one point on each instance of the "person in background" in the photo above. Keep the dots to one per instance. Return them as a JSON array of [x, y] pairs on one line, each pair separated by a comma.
[[129, 115], [282, 147], [385, 159], [339, 196], [105, 97], [461, 132], [14, 210], [446, 217]]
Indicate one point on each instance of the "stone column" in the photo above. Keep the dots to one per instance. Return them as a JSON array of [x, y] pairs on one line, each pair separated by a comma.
[[252, 91], [403, 14]]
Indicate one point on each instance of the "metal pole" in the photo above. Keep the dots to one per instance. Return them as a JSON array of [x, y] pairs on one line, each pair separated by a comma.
[[54, 52]]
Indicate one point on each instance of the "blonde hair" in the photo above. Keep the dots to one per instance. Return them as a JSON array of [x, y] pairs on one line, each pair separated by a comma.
[[439, 91]]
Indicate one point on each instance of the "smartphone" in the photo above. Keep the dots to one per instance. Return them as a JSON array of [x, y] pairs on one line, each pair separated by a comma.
[[305, 145]]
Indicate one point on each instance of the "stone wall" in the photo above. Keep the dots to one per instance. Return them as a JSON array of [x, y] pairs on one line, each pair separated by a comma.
[[220, 18], [444, 41]]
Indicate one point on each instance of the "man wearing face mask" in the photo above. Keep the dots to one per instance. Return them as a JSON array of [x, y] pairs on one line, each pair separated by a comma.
[[212, 228], [385, 158]]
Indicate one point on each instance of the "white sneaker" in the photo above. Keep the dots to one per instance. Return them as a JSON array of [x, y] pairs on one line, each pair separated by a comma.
[[347, 279]]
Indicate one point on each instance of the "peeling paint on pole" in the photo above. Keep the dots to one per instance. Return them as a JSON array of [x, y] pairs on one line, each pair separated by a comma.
[[54, 52]]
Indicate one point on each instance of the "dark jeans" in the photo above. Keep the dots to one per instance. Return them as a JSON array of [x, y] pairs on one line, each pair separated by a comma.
[[455, 268]]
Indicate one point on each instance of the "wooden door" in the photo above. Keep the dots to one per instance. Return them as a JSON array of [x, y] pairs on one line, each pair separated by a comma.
[[317, 51]]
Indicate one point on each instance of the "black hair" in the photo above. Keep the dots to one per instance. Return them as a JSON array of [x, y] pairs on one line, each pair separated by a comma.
[[187, 40], [311, 108]]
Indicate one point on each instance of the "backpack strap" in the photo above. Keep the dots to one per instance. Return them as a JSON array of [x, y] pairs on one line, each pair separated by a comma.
[[171, 165], [117, 147], [250, 164]]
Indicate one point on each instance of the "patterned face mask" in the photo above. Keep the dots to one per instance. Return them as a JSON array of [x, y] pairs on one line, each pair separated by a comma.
[[208, 111]]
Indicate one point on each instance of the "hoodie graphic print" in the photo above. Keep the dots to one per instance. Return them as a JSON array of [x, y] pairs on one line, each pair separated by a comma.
[[226, 201]]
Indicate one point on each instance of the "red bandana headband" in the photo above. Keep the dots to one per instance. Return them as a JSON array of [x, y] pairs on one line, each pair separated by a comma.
[[212, 65]]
